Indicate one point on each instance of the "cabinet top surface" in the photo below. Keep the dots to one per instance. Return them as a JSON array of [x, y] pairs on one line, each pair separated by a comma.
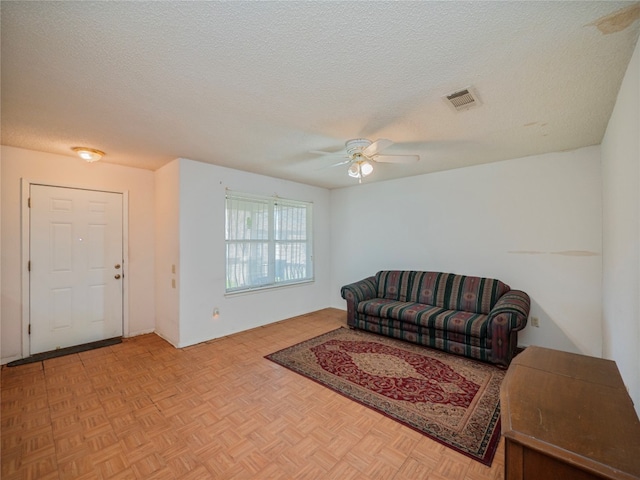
[[572, 407]]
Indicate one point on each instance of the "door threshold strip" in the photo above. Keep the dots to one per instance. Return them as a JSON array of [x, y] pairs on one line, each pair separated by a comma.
[[39, 357]]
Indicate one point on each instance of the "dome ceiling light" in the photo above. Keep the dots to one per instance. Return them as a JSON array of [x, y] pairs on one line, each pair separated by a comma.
[[88, 154]]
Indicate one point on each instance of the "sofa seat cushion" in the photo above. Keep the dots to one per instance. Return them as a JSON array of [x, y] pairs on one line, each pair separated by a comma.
[[397, 310], [473, 347], [429, 316]]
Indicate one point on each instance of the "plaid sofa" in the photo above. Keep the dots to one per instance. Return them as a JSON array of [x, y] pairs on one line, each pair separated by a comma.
[[471, 316]]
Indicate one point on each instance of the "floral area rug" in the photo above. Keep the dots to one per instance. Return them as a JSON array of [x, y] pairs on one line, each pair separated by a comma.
[[451, 399]]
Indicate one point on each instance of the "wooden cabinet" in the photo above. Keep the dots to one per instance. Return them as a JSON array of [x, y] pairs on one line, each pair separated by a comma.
[[567, 416]]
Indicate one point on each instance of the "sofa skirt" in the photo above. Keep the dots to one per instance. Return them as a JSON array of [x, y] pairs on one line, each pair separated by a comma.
[[457, 343]]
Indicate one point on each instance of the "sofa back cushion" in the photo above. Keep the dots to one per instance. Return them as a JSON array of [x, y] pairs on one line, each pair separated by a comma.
[[444, 290]]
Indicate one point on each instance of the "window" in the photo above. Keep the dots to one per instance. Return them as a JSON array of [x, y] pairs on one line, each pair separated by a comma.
[[268, 242]]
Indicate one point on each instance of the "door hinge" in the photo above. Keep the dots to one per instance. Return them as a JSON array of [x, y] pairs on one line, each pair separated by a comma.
[[29, 266], [29, 329], [29, 202]]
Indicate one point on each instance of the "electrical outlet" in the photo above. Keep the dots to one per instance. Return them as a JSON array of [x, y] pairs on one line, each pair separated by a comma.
[[535, 322]]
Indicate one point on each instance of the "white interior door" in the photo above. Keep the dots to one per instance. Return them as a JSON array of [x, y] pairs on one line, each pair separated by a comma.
[[76, 267]]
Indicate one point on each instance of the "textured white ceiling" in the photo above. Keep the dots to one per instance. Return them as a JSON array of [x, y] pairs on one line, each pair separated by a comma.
[[256, 85]]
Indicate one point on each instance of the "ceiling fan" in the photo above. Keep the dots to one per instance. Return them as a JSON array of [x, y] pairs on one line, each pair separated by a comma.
[[362, 153]]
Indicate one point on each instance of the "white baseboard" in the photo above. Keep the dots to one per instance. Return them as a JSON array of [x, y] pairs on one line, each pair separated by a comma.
[[166, 339], [141, 332], [4, 361]]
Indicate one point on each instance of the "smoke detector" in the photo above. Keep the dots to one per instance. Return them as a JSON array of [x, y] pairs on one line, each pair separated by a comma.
[[462, 99]]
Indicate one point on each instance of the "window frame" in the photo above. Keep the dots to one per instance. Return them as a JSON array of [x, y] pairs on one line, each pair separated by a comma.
[[271, 241]]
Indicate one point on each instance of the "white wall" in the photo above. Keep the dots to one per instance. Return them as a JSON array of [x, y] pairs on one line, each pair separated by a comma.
[[201, 276], [167, 237], [534, 223], [56, 169], [621, 232]]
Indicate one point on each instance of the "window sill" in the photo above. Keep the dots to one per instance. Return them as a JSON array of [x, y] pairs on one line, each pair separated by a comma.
[[250, 291]]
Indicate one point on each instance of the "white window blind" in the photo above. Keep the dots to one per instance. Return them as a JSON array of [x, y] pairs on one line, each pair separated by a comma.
[[268, 242]]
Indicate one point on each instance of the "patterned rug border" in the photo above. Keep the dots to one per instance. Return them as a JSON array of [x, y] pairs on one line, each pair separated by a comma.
[[494, 440]]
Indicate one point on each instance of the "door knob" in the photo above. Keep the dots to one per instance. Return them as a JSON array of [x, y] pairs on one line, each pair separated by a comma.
[[116, 266], [117, 276]]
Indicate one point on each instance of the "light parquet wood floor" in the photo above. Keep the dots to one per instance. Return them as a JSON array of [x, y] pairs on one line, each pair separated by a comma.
[[218, 410]]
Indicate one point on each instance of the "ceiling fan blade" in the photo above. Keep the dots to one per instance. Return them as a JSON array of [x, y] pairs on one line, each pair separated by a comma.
[[340, 163], [396, 158], [324, 152], [376, 147], [345, 162]]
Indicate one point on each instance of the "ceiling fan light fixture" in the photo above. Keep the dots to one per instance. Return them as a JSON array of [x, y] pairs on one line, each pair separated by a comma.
[[88, 154], [360, 169], [354, 170]]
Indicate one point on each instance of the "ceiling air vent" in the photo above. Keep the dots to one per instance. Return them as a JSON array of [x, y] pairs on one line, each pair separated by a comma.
[[462, 99]]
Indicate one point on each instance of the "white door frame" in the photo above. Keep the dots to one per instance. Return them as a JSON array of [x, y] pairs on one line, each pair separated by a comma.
[[25, 187]]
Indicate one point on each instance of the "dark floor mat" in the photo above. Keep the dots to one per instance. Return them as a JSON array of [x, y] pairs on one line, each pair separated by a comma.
[[38, 357]]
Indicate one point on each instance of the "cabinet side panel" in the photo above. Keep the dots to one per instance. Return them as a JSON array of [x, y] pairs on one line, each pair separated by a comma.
[[513, 464], [538, 466]]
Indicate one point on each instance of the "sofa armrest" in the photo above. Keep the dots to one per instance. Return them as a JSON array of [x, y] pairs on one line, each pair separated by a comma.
[[507, 316], [515, 304], [355, 293]]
